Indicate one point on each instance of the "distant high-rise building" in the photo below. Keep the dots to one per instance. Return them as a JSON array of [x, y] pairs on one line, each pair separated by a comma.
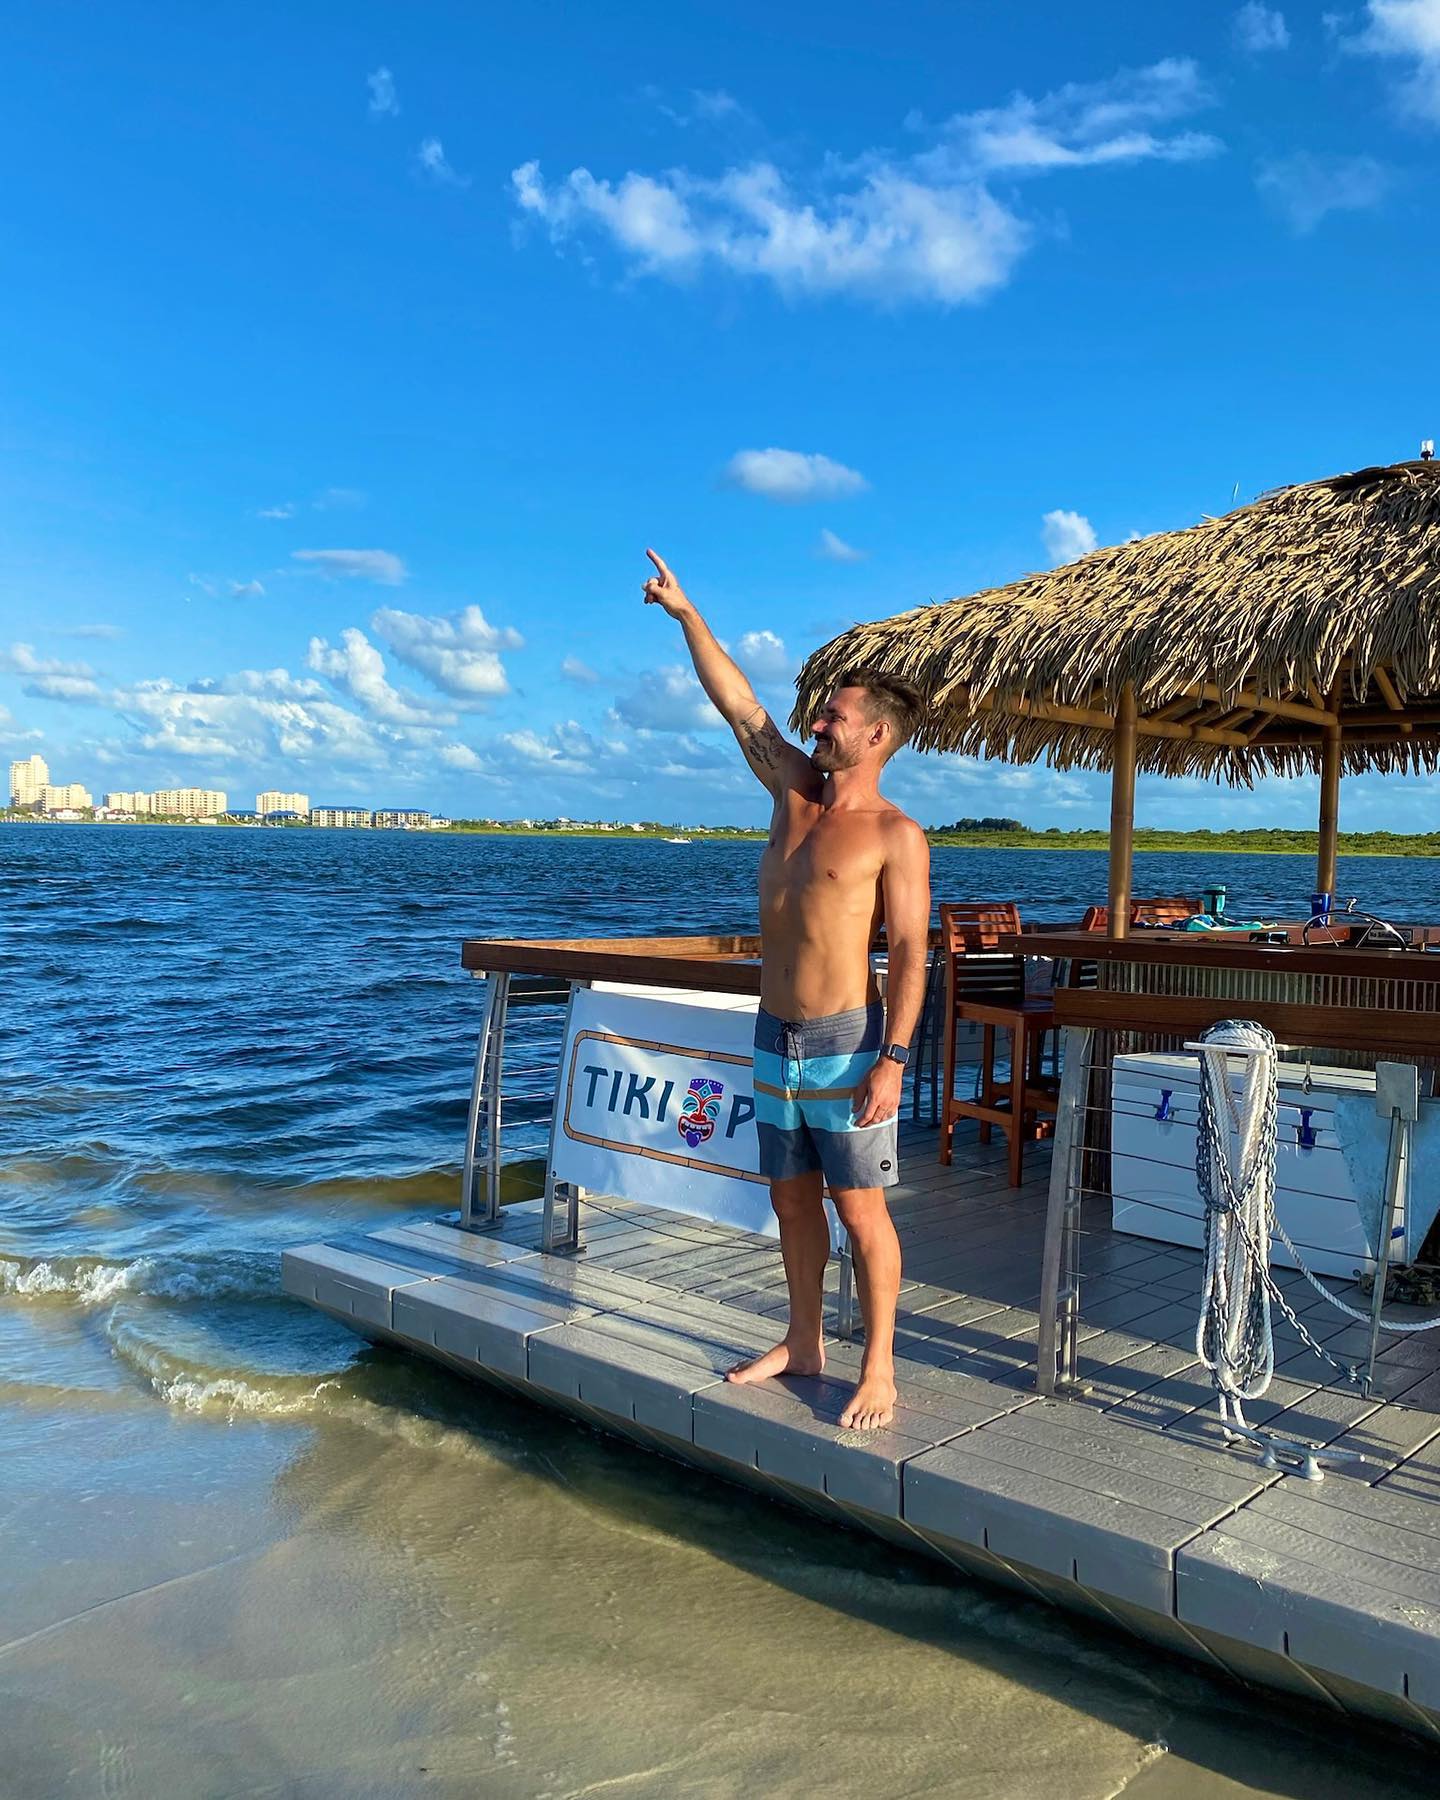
[[286, 803], [341, 815], [186, 803], [28, 780], [401, 818], [126, 802], [67, 798]]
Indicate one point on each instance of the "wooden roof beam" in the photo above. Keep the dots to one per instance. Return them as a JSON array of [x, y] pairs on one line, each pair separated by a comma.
[[1397, 722], [1049, 712], [1390, 695], [1281, 709]]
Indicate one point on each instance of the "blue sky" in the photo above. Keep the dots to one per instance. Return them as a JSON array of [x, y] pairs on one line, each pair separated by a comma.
[[354, 353]]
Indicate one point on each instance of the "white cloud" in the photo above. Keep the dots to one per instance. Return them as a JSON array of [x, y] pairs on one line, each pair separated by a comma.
[[884, 227], [383, 100], [92, 631], [705, 106], [792, 476], [1409, 31], [76, 688], [835, 549], [254, 716], [668, 699], [1305, 187], [1067, 535], [285, 510], [51, 678], [247, 590], [338, 499], [366, 565], [460, 756], [434, 163], [11, 732], [460, 654], [574, 670], [569, 749], [20, 659], [1082, 125], [358, 669], [889, 238], [764, 658], [1259, 28]]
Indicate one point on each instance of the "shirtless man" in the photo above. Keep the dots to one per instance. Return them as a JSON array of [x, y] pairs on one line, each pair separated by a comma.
[[829, 1058]]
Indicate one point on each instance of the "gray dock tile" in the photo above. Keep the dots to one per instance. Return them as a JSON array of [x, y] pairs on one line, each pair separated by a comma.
[[1372, 1703], [1310, 1607], [449, 1240], [791, 1429], [621, 1377], [1395, 1526], [1117, 1469], [1204, 1483], [1265, 1668], [348, 1282], [1387, 1437], [484, 1326], [1098, 1540]]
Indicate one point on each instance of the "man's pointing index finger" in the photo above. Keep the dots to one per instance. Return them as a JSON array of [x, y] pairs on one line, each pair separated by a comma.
[[659, 562]]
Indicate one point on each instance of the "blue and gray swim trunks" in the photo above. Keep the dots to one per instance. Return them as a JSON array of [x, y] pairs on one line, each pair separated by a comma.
[[806, 1073]]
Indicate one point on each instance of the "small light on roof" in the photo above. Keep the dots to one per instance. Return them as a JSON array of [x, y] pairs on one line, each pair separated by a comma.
[[1427, 449]]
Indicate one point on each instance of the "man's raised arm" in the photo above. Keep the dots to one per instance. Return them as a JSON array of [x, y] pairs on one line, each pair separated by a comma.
[[776, 762]]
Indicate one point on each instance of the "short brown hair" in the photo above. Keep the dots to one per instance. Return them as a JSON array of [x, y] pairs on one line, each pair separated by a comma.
[[901, 706]]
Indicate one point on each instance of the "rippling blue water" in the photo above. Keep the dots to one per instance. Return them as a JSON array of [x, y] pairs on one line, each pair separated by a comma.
[[222, 1041]]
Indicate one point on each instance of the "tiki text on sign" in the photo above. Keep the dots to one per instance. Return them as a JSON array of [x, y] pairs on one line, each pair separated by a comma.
[[667, 1101]]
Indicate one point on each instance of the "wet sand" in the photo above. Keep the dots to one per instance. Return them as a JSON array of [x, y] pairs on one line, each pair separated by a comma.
[[413, 1586]]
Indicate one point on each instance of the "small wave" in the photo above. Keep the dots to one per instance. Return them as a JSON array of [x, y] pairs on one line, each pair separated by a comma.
[[203, 1390], [94, 1281], [400, 1408]]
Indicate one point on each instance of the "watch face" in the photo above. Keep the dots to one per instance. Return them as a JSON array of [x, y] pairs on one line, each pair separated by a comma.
[[898, 1054]]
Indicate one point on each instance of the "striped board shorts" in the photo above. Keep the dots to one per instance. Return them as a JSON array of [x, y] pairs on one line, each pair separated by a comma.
[[806, 1072]]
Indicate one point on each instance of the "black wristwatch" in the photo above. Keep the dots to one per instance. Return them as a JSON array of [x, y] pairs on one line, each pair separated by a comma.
[[896, 1053]]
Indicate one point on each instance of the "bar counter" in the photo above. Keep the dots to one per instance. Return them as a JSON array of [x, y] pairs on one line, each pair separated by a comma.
[[1371, 1002]]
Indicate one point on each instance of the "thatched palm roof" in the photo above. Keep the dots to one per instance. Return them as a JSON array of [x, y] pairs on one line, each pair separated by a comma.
[[1244, 638]]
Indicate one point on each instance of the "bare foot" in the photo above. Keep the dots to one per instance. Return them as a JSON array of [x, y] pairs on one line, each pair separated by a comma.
[[785, 1359], [873, 1403]]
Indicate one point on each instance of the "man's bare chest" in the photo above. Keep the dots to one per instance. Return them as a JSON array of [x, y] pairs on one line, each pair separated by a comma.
[[841, 861]]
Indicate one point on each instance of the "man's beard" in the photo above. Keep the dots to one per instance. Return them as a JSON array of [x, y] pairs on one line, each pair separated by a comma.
[[828, 755]]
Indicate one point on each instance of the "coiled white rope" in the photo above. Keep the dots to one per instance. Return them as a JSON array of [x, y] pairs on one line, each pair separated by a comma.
[[1235, 1170]]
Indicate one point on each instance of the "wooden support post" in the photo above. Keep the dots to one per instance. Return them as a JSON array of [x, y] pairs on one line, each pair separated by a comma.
[[1122, 813], [1329, 809]]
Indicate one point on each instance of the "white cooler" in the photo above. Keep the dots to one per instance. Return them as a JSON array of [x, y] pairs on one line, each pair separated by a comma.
[[1330, 1162]]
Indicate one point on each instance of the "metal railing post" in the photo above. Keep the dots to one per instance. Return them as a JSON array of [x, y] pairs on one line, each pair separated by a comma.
[[571, 1191], [472, 1123], [494, 1096], [845, 1297], [483, 1120], [1397, 1085], [1060, 1259]]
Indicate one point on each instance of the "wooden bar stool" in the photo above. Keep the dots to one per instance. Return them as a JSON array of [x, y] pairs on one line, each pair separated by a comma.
[[987, 985], [1172, 909]]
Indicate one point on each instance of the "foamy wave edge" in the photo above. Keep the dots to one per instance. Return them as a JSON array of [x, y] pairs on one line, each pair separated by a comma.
[[220, 1276]]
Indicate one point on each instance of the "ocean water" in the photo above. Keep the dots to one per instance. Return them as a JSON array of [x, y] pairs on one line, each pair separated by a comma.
[[243, 1552]]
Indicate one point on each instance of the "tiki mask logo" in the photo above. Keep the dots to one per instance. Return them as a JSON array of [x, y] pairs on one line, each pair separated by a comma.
[[699, 1111]]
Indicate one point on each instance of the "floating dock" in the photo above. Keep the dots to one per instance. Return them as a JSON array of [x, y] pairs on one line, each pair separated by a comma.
[[1124, 1504]]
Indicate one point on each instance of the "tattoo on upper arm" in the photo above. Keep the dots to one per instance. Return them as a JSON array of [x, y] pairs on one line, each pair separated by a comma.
[[761, 742]]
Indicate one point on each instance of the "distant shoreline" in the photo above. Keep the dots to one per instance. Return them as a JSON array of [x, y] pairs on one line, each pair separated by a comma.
[[1277, 842]]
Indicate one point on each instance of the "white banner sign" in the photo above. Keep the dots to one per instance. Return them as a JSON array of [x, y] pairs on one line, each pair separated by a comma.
[[656, 1103]]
